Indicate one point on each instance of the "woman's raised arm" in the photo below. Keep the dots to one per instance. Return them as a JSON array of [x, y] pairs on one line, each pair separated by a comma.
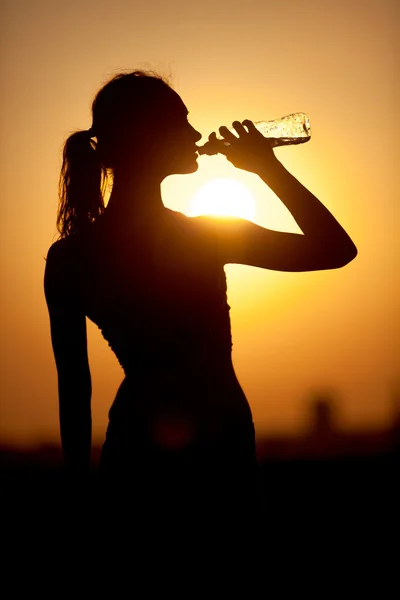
[[324, 243]]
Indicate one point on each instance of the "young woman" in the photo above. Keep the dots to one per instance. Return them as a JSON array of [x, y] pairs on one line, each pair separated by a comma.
[[180, 429]]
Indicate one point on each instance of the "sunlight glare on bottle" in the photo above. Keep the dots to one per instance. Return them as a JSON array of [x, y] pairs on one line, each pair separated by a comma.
[[224, 197]]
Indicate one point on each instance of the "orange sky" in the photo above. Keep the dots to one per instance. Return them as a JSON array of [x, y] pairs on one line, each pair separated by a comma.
[[294, 334]]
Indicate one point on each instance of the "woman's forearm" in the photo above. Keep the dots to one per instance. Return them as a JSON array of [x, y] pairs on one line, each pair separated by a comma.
[[313, 218], [76, 428]]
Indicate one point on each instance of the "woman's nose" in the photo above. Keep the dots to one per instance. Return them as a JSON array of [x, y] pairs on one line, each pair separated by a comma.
[[197, 135]]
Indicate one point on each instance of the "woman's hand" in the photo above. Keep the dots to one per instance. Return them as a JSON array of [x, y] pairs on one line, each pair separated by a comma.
[[249, 150]]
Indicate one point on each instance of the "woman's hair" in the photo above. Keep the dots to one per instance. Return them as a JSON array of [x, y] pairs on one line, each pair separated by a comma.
[[87, 164]]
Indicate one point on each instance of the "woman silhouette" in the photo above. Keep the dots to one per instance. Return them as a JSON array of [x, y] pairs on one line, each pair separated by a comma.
[[180, 429]]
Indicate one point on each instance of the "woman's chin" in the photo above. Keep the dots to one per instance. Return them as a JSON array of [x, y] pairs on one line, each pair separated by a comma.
[[185, 167], [192, 166]]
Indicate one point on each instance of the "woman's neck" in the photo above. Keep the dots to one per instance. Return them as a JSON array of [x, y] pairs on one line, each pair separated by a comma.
[[134, 198]]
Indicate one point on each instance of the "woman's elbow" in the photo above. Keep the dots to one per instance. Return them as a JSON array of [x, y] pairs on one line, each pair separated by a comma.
[[342, 256]]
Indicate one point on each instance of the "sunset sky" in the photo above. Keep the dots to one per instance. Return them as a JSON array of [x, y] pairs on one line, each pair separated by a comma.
[[295, 335]]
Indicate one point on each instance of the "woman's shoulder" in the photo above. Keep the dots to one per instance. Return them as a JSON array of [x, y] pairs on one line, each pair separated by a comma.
[[201, 224], [63, 258], [216, 230], [208, 222], [194, 232], [63, 249]]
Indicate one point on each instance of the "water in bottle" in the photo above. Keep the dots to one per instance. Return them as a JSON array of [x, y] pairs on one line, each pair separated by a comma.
[[292, 129]]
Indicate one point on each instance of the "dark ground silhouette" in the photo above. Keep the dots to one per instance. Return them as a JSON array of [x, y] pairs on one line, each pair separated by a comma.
[[302, 478], [323, 515]]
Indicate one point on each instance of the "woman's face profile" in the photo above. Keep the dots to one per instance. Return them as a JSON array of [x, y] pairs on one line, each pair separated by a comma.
[[167, 140]]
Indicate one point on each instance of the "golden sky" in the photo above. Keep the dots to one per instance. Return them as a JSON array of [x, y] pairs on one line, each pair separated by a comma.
[[294, 334]]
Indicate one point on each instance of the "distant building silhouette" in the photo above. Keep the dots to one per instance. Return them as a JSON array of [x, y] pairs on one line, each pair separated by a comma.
[[324, 423]]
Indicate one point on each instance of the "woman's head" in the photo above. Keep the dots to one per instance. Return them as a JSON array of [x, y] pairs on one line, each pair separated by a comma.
[[140, 124], [137, 119]]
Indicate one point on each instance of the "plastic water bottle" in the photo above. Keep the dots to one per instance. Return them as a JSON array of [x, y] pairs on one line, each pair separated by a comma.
[[292, 129]]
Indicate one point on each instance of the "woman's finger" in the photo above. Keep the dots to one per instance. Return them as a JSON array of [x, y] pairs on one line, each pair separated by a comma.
[[250, 126], [238, 126], [227, 135]]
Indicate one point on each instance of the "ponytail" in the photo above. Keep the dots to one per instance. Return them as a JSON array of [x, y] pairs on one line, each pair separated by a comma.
[[83, 181]]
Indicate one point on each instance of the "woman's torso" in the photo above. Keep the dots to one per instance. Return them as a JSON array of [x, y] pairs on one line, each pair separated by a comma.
[[158, 293]]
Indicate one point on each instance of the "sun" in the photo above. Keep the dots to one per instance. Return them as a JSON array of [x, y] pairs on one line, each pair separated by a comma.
[[224, 197]]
